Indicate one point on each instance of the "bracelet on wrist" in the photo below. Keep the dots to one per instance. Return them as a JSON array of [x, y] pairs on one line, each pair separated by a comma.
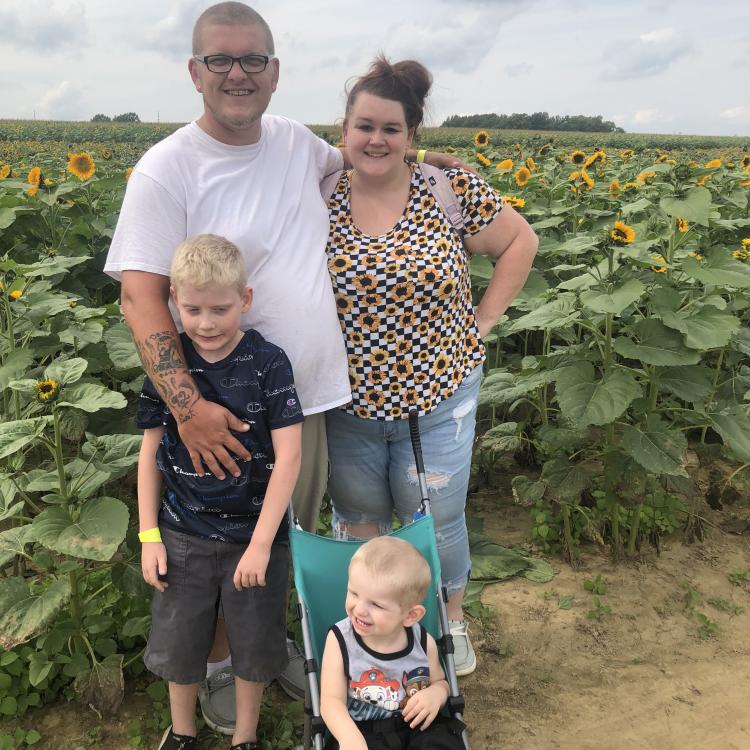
[[420, 155], [150, 535]]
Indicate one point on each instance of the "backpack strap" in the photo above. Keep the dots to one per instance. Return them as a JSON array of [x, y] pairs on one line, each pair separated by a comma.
[[328, 185], [441, 188]]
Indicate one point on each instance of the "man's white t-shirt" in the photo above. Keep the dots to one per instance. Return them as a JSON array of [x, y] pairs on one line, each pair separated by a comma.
[[266, 199]]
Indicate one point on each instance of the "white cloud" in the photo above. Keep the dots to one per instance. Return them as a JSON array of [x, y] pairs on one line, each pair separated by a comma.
[[64, 102], [659, 35], [741, 114], [44, 25], [518, 69]]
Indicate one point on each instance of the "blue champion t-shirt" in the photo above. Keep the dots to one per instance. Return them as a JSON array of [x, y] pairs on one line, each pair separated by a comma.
[[255, 382]]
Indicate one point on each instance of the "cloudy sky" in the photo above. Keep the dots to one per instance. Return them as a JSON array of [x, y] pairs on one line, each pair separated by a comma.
[[649, 65]]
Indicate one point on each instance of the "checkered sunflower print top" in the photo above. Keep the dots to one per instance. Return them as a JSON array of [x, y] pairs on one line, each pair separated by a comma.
[[404, 298]]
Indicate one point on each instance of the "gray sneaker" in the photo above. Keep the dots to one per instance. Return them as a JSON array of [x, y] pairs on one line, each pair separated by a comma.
[[463, 653], [293, 679], [216, 696]]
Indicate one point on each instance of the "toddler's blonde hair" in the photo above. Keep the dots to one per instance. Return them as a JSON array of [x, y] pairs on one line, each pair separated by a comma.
[[398, 562]]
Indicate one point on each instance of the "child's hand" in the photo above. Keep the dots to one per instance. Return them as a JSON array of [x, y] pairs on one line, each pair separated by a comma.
[[251, 569], [423, 706], [154, 564]]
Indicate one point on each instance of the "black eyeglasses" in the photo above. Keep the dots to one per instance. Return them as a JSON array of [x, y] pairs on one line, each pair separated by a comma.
[[223, 63]]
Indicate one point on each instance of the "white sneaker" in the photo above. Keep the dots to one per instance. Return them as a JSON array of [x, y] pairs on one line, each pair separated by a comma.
[[463, 651]]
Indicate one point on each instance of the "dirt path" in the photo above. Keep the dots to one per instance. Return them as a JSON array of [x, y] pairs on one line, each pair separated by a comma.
[[639, 677], [551, 678]]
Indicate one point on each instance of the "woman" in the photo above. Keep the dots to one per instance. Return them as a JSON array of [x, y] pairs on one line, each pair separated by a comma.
[[403, 289]]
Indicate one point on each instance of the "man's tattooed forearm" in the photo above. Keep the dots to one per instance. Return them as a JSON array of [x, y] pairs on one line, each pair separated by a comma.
[[161, 353], [162, 359]]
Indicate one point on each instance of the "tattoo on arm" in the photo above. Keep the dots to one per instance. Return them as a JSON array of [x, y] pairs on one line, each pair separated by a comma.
[[163, 361]]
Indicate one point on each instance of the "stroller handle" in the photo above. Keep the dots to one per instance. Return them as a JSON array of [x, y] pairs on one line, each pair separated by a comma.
[[416, 444]]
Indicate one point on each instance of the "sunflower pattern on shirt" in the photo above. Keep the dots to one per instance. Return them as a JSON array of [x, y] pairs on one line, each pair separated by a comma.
[[404, 298]]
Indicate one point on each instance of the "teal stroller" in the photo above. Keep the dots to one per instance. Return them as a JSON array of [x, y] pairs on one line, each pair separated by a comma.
[[320, 576]]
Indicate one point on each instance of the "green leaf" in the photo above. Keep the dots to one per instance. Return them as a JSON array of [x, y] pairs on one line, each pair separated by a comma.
[[491, 561], [88, 333], [719, 268], [115, 452], [658, 345], [39, 670], [695, 207], [103, 686], [14, 436], [690, 382], [733, 424], [66, 371], [559, 313], [710, 328], [52, 266], [12, 543], [565, 480], [526, 492], [481, 270], [121, 348], [94, 535], [8, 492], [656, 447], [534, 289], [584, 399], [615, 301], [8, 706], [16, 364], [91, 397], [576, 245], [23, 613]]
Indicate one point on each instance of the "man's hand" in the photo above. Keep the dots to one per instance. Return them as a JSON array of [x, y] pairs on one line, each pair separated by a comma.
[[423, 706], [208, 440], [251, 569], [447, 161], [154, 564]]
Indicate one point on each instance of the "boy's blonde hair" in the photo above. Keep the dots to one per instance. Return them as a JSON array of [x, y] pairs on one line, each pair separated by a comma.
[[398, 562], [208, 259]]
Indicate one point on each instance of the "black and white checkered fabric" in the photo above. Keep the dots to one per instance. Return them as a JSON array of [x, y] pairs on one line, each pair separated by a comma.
[[404, 299]]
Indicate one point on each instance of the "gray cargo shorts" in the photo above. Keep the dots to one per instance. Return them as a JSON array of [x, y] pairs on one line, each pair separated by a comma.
[[199, 574]]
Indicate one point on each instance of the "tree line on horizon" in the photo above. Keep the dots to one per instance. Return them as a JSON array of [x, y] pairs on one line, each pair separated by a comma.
[[534, 121]]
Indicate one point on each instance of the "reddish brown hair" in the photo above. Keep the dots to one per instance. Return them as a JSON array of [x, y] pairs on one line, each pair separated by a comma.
[[407, 82]]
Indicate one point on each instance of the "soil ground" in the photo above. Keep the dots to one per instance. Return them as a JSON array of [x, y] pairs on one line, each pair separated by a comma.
[[549, 677]]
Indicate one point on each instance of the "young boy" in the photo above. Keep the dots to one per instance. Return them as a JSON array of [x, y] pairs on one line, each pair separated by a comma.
[[208, 541], [382, 685]]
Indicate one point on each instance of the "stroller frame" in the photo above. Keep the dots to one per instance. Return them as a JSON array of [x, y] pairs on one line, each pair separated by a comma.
[[421, 533]]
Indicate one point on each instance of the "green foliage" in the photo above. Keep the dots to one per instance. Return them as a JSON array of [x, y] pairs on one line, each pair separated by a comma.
[[535, 121]]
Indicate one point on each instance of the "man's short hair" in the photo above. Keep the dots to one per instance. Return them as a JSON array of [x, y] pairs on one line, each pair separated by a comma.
[[208, 259], [230, 14], [398, 562]]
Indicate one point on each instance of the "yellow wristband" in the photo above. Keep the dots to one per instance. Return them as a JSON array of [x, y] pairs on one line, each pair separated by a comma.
[[420, 155], [150, 535]]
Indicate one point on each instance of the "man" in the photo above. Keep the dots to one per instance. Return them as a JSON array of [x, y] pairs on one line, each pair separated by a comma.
[[252, 178]]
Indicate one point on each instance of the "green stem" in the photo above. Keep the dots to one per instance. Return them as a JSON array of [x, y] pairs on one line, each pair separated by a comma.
[[635, 525], [615, 516], [567, 532], [59, 461], [75, 601], [719, 363]]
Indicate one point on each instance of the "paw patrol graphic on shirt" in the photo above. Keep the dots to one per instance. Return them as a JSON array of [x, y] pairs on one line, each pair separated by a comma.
[[414, 681], [375, 696]]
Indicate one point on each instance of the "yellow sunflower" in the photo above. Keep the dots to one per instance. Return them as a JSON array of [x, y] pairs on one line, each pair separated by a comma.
[[746, 243], [574, 175], [682, 225], [522, 176], [364, 282], [340, 263], [531, 164], [506, 165], [47, 390], [395, 412], [614, 187], [713, 164], [578, 157], [81, 165], [378, 356], [481, 139], [4, 171], [626, 153], [460, 183], [15, 294], [746, 161], [703, 180], [34, 176], [343, 303], [545, 148], [622, 234], [483, 160], [441, 364], [370, 321], [589, 182], [697, 256], [662, 264], [402, 369], [513, 201]]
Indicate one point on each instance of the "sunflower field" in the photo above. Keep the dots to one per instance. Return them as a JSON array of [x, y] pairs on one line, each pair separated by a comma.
[[622, 366]]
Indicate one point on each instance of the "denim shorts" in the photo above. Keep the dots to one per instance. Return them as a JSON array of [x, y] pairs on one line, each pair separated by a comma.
[[373, 473], [199, 574]]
